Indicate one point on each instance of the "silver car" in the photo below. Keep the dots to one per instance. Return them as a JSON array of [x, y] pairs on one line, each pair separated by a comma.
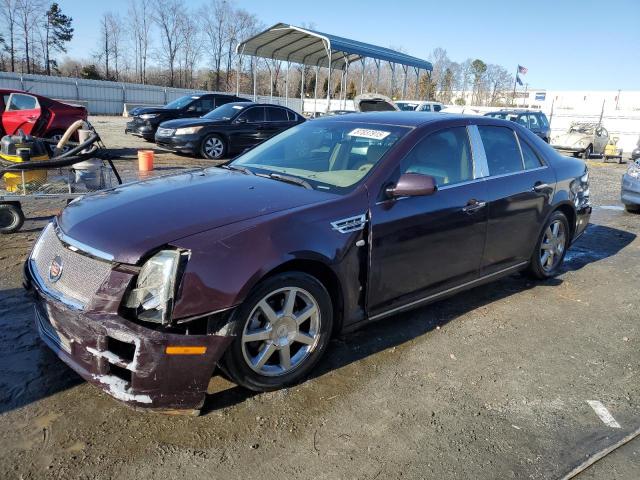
[[582, 139], [630, 193]]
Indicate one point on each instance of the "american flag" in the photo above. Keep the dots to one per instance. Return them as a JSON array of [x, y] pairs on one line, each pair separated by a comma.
[[522, 70]]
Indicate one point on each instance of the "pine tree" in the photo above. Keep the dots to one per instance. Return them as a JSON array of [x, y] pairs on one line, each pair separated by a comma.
[[58, 32]]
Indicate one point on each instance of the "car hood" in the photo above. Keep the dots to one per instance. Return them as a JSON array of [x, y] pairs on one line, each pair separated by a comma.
[[129, 221], [570, 139], [191, 122], [136, 112]]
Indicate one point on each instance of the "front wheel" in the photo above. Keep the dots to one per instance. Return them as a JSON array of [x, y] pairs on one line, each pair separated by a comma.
[[284, 327], [11, 218], [550, 248], [213, 147]]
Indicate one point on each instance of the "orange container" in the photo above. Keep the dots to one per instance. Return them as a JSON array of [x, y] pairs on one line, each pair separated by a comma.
[[145, 160]]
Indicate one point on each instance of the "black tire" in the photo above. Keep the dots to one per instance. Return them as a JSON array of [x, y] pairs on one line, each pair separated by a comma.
[[536, 269], [237, 366], [11, 218], [213, 147], [632, 208], [586, 155]]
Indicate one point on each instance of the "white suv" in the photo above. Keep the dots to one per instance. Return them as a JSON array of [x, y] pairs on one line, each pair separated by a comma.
[[419, 106]]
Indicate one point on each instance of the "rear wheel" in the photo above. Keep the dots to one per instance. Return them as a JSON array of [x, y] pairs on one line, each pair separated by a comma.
[[11, 218], [284, 328], [550, 248], [213, 147]]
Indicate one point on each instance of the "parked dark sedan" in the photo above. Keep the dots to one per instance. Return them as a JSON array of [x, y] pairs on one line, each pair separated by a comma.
[[146, 119], [253, 266], [233, 127], [535, 121]]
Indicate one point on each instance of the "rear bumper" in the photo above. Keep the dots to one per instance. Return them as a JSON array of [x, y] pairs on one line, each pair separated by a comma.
[[126, 360], [180, 143], [630, 191]]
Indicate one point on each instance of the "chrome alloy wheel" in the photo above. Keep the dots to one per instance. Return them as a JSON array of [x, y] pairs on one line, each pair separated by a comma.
[[552, 246], [282, 331], [213, 147]]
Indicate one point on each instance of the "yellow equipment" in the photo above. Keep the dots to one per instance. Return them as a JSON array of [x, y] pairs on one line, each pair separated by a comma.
[[22, 148]]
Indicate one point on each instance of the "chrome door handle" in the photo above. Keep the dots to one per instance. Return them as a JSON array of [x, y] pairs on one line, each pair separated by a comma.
[[473, 205], [539, 187]]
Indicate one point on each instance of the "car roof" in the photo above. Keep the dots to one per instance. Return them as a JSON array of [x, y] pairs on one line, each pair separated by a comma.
[[403, 119]]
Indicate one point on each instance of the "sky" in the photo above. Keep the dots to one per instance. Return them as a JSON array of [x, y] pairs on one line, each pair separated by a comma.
[[565, 44]]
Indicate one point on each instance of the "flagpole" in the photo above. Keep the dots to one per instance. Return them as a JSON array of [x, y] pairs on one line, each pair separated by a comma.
[[515, 80]]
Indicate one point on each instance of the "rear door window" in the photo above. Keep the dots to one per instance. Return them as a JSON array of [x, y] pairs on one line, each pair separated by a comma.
[[501, 149], [445, 155], [275, 114], [18, 101]]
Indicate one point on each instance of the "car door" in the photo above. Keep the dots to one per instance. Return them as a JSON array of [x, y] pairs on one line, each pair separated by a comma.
[[22, 111], [423, 245], [520, 186], [277, 120], [246, 130]]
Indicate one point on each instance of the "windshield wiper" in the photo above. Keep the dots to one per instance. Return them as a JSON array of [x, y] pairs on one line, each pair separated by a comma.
[[244, 170], [288, 179]]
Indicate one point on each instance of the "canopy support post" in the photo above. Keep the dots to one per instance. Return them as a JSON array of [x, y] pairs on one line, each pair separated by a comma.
[[329, 84], [392, 66], [254, 71], [286, 86], [404, 83], [315, 94], [302, 89]]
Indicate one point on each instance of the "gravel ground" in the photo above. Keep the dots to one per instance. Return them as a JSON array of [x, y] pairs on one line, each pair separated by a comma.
[[492, 383]]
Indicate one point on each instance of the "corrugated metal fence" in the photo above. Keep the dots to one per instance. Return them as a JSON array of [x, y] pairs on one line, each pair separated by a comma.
[[108, 98]]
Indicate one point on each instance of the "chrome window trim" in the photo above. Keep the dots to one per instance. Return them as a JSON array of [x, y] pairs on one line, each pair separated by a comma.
[[447, 291], [478, 154]]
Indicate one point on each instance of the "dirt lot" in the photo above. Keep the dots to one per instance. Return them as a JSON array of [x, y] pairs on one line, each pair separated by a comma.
[[492, 383]]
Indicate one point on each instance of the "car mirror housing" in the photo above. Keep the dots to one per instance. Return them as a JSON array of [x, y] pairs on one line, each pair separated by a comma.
[[412, 185]]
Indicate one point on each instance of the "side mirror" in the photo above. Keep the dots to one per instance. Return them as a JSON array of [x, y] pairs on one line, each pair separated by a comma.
[[413, 185]]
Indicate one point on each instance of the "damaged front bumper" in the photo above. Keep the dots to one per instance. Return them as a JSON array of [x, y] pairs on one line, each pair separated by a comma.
[[126, 360]]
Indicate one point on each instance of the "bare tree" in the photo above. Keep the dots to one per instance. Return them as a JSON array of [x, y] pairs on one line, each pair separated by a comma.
[[169, 16], [10, 13], [216, 20], [27, 21], [140, 27]]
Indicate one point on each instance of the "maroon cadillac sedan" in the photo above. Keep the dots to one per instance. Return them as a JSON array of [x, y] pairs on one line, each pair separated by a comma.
[[146, 289]]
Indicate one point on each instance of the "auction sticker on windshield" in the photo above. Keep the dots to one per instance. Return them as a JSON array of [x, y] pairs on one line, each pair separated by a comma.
[[368, 133]]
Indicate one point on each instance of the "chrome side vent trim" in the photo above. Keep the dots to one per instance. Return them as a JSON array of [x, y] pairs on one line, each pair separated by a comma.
[[351, 224]]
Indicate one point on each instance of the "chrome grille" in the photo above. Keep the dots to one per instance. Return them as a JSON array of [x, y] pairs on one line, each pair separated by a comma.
[[81, 275], [165, 132]]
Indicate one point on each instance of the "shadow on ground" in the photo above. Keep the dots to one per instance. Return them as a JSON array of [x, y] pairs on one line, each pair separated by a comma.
[[30, 371]]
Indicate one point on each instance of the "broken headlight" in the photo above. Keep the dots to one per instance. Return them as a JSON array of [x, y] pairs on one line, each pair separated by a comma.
[[156, 287]]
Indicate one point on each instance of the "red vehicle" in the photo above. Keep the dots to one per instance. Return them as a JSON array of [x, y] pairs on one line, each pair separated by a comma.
[[36, 115]]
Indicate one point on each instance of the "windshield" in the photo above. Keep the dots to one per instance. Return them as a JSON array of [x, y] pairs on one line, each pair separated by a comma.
[[329, 155], [406, 106], [225, 112], [582, 128], [181, 102]]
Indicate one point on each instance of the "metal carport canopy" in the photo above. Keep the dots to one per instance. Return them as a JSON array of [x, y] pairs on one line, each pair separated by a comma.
[[312, 48]]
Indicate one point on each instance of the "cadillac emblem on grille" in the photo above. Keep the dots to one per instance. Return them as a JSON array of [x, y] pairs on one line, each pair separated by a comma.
[[55, 269]]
